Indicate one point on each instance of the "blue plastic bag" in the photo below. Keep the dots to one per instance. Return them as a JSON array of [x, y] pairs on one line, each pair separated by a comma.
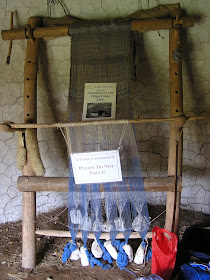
[[195, 271]]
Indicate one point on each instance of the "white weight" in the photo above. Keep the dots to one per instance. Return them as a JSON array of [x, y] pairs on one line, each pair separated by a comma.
[[111, 249], [83, 255], [119, 224], [139, 256], [129, 251], [97, 226], [107, 227], [76, 216], [96, 250], [75, 255], [86, 224], [140, 223]]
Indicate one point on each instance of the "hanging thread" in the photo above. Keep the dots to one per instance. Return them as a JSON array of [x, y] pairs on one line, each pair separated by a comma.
[[122, 136], [53, 2]]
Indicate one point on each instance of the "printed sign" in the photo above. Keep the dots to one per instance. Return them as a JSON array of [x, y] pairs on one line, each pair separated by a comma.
[[96, 167], [99, 101]]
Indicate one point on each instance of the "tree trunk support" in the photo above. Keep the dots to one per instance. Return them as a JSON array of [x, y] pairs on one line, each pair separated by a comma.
[[176, 136], [30, 116]]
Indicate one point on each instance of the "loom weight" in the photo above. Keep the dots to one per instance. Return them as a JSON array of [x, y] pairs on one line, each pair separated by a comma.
[[129, 251], [111, 249], [75, 255], [139, 256], [107, 227], [119, 224], [140, 223], [83, 255], [85, 225], [76, 216], [97, 226], [96, 250]]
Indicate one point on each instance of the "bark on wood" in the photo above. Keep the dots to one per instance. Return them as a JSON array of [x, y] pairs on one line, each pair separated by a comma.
[[63, 30], [12, 127], [176, 109], [30, 115], [61, 184], [104, 235]]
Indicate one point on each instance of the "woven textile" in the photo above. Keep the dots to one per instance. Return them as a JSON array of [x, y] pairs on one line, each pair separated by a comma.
[[101, 53]]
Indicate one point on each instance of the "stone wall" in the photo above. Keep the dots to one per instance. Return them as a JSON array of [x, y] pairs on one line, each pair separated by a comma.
[[150, 99]]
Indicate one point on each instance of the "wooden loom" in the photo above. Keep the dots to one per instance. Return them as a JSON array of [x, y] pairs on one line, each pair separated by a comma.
[[29, 184]]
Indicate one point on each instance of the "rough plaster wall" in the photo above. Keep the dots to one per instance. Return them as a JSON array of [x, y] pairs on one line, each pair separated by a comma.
[[151, 99]]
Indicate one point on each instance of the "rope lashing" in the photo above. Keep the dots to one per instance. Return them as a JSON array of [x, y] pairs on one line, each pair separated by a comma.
[[106, 256], [122, 257], [69, 248], [93, 261]]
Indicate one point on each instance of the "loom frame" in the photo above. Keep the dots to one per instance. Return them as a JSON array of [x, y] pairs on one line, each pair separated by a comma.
[[29, 184]]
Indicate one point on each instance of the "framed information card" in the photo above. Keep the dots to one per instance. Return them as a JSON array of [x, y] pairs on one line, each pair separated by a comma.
[[99, 101]]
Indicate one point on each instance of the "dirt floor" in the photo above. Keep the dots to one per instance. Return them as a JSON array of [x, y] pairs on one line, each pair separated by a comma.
[[50, 249]]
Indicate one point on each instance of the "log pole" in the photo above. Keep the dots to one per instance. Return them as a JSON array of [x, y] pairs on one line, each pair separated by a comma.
[[104, 235], [30, 116], [63, 30], [12, 127], [61, 184], [176, 110]]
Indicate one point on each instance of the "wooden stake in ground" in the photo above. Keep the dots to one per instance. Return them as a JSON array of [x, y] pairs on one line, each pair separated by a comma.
[[30, 116]]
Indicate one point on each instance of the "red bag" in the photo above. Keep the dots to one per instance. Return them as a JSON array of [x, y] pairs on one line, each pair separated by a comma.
[[164, 249]]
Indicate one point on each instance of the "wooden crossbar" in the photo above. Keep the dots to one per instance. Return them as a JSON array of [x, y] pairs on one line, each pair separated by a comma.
[[104, 235], [61, 184], [11, 127], [63, 30]]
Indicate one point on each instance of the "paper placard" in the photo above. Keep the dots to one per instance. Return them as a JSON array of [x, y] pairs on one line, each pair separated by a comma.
[[96, 167], [99, 101]]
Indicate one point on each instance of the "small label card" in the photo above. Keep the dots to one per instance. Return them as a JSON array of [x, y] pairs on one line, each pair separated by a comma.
[[99, 101], [96, 167]]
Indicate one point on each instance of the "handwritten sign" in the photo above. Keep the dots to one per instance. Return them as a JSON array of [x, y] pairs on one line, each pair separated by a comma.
[[96, 167]]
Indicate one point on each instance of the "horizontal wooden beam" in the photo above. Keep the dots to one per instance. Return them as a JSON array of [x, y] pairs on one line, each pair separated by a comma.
[[11, 127], [104, 235], [61, 184], [63, 30], [88, 123], [38, 32]]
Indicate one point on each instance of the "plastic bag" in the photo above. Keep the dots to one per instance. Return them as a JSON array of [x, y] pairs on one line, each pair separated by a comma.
[[195, 271], [164, 249]]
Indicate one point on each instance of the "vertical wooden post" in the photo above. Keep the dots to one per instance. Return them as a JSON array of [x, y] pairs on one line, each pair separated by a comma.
[[30, 116], [176, 109]]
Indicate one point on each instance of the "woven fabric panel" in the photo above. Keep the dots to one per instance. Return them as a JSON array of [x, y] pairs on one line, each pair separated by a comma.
[[100, 54]]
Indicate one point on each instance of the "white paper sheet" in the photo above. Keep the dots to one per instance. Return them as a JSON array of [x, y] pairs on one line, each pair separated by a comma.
[[96, 167]]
